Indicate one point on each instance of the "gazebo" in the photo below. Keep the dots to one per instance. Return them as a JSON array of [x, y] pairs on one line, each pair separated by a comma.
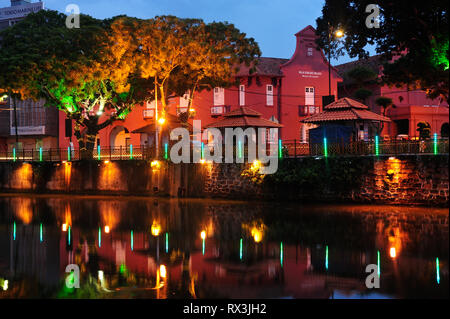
[[244, 118], [345, 120]]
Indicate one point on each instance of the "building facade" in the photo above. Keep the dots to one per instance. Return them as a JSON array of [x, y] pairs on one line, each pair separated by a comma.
[[410, 106], [37, 126], [282, 90]]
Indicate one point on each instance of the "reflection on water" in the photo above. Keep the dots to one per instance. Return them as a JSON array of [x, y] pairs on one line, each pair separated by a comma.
[[166, 248]]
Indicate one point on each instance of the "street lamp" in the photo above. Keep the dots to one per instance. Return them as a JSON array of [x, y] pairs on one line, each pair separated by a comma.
[[337, 34]]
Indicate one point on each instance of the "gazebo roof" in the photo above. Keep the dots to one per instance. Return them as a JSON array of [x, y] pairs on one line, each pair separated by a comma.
[[345, 109], [243, 117]]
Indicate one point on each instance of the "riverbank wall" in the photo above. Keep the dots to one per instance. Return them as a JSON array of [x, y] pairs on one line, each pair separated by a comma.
[[407, 179]]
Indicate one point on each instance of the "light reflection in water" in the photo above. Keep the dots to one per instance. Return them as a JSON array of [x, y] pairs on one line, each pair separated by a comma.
[[285, 263]]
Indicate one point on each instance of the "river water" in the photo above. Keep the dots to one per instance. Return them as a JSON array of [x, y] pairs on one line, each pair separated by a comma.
[[122, 247]]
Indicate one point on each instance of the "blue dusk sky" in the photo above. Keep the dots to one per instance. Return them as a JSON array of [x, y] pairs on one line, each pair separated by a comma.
[[271, 23]]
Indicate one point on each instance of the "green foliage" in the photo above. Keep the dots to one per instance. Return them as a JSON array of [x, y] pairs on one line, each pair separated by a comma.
[[361, 74], [383, 101], [424, 130], [416, 35], [362, 94], [314, 178]]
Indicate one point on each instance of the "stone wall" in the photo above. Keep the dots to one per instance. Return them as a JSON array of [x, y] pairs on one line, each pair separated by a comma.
[[402, 180]]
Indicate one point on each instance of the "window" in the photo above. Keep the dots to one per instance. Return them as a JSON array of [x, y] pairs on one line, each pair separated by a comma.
[[242, 95], [149, 111], [309, 51], [219, 96], [216, 110], [269, 95], [309, 96]]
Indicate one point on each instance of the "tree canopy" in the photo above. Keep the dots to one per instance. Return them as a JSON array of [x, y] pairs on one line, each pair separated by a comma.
[[97, 73], [413, 39]]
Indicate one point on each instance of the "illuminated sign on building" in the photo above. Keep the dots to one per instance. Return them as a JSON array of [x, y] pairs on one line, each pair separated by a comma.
[[20, 11]]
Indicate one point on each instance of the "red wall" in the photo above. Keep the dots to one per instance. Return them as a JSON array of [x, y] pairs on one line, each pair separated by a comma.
[[292, 91]]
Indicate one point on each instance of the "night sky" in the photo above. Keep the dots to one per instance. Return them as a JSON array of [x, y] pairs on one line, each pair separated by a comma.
[[272, 23]]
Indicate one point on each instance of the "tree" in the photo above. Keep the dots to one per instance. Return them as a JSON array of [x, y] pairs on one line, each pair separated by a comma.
[[414, 37], [361, 75], [385, 103], [181, 55], [424, 130], [83, 72]]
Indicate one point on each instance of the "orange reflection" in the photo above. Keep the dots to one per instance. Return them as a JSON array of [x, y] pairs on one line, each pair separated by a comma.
[[110, 214], [256, 230], [393, 169], [22, 177], [110, 176], [23, 209], [67, 221], [67, 172]]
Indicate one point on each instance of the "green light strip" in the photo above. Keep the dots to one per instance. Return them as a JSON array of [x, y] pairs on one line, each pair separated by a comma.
[[166, 152], [326, 257], [167, 242], [98, 152], [99, 237], [378, 263], [131, 151], [40, 154], [14, 230], [41, 237], [240, 249], [14, 154], [68, 236], [203, 246], [325, 147], [68, 153], [239, 149], [280, 148], [377, 149], [132, 241], [438, 277], [435, 144], [203, 151], [281, 254]]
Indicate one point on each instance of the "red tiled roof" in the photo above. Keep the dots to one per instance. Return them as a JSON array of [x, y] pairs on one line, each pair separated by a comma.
[[243, 111], [264, 66], [243, 117], [345, 109], [346, 103]]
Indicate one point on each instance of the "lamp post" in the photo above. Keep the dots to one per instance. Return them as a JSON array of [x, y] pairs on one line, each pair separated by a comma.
[[337, 34]]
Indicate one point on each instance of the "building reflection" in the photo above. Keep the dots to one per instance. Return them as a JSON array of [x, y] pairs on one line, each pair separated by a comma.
[[202, 250]]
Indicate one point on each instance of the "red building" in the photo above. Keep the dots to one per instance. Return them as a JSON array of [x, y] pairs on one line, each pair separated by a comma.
[[281, 90], [409, 106]]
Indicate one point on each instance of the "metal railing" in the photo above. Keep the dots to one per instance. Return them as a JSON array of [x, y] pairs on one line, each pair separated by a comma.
[[288, 148], [295, 148]]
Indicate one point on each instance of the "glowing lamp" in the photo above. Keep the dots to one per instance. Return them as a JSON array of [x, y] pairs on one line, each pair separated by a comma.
[[191, 110], [100, 275], [107, 229], [255, 166], [392, 252], [202, 161], [161, 120], [156, 229], [64, 227], [106, 162], [203, 235], [155, 164], [257, 235], [5, 285], [162, 271], [339, 34]]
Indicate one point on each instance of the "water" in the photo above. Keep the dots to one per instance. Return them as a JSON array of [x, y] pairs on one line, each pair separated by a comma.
[[169, 248]]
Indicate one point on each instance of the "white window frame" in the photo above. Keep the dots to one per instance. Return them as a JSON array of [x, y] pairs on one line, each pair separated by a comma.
[[241, 95], [309, 51], [219, 96], [308, 97], [269, 94]]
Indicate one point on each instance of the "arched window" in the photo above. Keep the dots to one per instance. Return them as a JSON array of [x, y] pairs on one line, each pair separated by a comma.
[[444, 130]]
